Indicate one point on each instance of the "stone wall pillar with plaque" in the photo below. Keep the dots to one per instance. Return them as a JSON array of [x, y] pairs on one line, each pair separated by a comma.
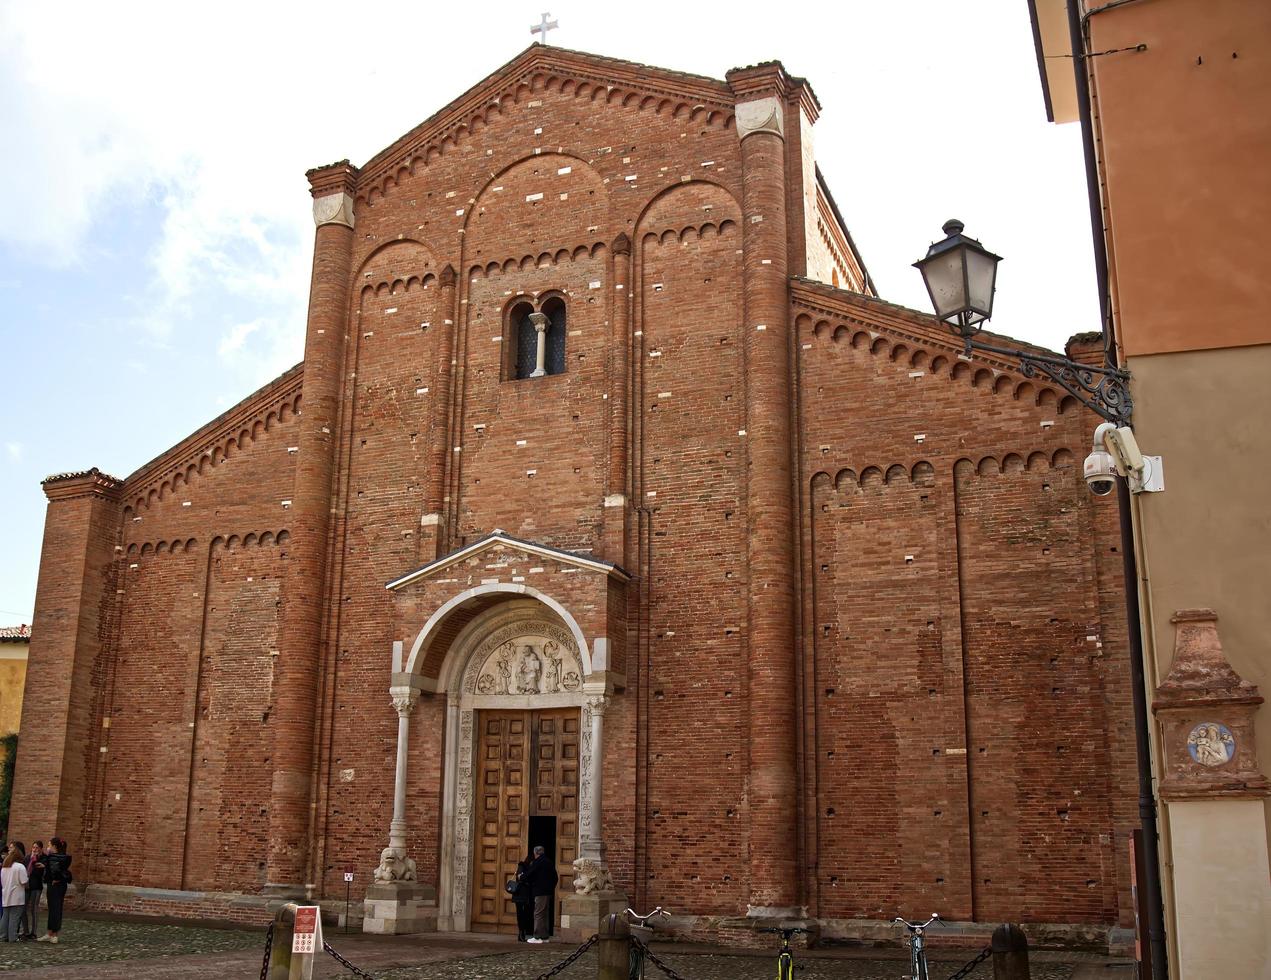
[[1214, 791]]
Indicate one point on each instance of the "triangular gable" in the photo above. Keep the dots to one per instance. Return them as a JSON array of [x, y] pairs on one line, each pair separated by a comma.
[[695, 92], [500, 538]]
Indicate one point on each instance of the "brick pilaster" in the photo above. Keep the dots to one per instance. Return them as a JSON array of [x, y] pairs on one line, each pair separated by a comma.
[[772, 791], [296, 676], [81, 529]]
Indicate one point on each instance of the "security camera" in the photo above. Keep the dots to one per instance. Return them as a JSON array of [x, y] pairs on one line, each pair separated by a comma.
[[1100, 469], [1116, 453]]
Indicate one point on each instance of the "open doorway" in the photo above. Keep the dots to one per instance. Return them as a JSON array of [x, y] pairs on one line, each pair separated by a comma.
[[543, 832]]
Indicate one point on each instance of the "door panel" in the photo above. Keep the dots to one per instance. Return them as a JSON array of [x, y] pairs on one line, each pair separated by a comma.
[[528, 766], [501, 779]]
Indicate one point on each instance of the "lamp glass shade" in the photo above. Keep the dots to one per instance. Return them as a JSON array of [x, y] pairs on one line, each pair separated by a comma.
[[943, 274], [981, 278], [960, 275]]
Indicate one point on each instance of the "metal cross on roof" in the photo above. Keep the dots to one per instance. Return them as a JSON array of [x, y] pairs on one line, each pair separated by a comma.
[[544, 26]]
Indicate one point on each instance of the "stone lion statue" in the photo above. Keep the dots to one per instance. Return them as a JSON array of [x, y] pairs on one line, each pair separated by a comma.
[[395, 866], [592, 877]]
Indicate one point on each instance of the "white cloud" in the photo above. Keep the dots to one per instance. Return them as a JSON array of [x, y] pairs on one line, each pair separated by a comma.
[[15, 451], [212, 117]]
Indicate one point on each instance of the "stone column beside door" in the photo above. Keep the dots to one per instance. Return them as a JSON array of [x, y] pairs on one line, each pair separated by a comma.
[[595, 897], [396, 901]]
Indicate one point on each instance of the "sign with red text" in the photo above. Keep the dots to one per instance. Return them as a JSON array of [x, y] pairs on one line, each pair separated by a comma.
[[308, 932]]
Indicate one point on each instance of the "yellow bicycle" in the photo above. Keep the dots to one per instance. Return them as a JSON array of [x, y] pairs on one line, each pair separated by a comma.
[[785, 956]]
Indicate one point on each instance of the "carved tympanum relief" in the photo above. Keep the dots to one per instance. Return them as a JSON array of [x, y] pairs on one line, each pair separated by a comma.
[[525, 658]]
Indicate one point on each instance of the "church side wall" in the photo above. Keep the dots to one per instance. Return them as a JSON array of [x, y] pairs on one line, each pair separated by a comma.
[[184, 694], [966, 695]]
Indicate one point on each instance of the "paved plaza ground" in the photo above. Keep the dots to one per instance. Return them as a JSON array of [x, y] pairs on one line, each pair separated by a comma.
[[100, 948]]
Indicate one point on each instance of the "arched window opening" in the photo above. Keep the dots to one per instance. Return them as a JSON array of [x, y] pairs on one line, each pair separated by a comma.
[[554, 362], [534, 339], [524, 346]]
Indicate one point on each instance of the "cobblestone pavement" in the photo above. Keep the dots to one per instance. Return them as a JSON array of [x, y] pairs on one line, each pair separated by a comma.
[[113, 949]]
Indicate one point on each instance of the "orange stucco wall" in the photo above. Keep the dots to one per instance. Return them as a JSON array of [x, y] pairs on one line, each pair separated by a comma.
[[1185, 130]]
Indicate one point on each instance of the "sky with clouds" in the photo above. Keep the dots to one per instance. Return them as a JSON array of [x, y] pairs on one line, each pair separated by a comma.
[[156, 235]]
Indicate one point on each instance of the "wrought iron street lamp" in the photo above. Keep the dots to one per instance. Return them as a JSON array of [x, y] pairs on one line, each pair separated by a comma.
[[961, 278]]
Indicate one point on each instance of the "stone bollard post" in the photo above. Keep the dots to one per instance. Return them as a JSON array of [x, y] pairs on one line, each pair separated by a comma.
[[283, 963], [613, 948], [1010, 953]]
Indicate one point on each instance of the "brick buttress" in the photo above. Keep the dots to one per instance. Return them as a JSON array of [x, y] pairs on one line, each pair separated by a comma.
[[297, 671], [769, 496]]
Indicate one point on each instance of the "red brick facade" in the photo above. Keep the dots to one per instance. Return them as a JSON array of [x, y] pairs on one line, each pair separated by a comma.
[[865, 656]]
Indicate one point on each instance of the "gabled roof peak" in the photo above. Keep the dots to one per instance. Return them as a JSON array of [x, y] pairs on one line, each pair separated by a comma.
[[500, 538]]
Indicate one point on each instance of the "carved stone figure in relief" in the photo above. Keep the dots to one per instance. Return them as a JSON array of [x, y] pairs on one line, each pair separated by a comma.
[[486, 684], [571, 681], [551, 680], [529, 671], [1211, 744], [505, 676]]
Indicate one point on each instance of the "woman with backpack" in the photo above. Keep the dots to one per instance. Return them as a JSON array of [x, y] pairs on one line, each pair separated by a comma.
[[57, 876]]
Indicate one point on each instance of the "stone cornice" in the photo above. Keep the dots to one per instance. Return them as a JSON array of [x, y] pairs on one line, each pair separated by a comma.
[[85, 483], [770, 78], [334, 178]]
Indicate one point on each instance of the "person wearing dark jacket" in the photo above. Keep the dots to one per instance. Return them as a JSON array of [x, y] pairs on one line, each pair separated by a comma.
[[524, 901], [543, 878], [57, 877], [34, 889]]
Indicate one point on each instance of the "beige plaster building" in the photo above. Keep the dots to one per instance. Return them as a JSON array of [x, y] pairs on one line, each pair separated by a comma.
[[15, 641], [1173, 101]]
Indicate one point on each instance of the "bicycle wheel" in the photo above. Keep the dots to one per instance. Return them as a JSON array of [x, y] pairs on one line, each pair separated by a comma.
[[785, 967], [635, 969]]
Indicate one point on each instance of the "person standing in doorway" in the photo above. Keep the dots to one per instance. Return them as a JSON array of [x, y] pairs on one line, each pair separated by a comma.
[[57, 877], [13, 885], [523, 899], [543, 877], [34, 889]]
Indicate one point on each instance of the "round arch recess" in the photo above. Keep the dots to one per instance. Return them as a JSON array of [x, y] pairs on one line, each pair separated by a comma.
[[491, 665]]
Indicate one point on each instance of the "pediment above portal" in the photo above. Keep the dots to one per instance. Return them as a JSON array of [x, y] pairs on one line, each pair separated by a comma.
[[570, 626]]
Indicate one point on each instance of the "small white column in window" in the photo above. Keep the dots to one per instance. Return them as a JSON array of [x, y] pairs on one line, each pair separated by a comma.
[[540, 323]]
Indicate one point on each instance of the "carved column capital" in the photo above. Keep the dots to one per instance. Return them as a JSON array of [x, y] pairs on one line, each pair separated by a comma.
[[762, 115], [539, 321], [404, 700], [598, 704], [333, 209]]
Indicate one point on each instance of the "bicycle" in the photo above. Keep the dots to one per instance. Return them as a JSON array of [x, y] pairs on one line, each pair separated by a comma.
[[917, 946], [642, 922], [785, 956]]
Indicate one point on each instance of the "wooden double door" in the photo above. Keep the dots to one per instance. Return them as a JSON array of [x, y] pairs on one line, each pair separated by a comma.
[[526, 794]]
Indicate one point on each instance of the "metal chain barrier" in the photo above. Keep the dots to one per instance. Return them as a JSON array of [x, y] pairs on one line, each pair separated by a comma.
[[327, 948], [565, 963], [967, 970], [653, 958], [269, 948]]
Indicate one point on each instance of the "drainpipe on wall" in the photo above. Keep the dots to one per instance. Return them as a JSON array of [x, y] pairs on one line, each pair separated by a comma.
[[1147, 800]]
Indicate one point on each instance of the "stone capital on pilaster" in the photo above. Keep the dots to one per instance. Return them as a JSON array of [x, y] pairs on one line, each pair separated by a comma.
[[763, 115], [404, 699]]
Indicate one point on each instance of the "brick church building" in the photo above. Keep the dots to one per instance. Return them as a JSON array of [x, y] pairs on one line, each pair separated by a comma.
[[610, 509]]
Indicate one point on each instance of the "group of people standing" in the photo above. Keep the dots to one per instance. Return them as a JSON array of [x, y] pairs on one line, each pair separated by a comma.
[[533, 892], [24, 877]]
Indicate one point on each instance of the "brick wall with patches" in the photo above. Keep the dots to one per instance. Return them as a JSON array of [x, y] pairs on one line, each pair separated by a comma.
[[870, 640]]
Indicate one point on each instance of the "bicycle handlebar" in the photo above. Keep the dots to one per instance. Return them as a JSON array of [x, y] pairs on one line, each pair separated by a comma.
[[644, 919], [917, 926], [787, 931]]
